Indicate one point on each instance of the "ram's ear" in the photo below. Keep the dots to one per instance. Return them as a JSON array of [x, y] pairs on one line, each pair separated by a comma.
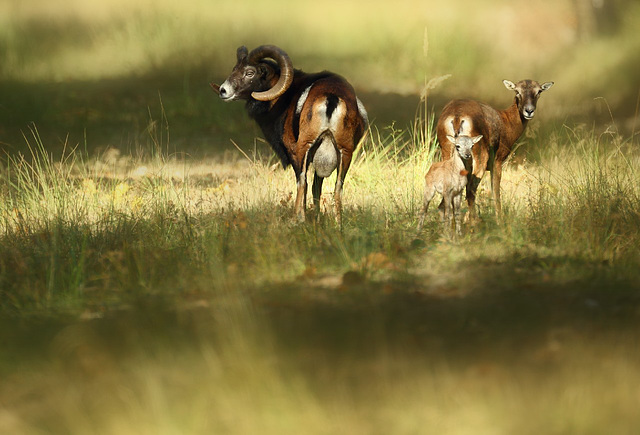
[[242, 53], [264, 72], [477, 139], [451, 139]]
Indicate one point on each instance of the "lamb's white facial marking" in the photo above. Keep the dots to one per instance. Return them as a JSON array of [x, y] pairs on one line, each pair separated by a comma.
[[302, 100]]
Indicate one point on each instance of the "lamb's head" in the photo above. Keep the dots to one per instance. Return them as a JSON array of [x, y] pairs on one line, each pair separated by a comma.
[[527, 94], [464, 144], [257, 76]]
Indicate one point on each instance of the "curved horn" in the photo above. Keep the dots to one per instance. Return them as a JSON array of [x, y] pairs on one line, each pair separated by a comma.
[[286, 71]]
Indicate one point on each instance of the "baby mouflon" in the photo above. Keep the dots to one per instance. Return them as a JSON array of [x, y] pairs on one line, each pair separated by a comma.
[[449, 178]]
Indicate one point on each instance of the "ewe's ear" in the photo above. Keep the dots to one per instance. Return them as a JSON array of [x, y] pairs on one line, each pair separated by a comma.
[[546, 86], [509, 85], [477, 139]]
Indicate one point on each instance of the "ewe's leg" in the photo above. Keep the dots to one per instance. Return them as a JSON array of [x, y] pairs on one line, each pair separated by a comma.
[[495, 186], [474, 179]]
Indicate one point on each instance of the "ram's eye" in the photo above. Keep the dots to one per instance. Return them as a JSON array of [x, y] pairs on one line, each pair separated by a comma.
[[250, 73]]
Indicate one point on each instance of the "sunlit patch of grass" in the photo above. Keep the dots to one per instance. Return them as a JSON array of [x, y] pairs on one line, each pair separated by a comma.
[[232, 218]]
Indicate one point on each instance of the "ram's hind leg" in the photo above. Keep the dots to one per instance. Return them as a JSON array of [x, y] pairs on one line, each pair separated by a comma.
[[301, 195], [316, 190]]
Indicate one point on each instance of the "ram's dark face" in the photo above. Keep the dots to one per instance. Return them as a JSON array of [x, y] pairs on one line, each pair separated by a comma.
[[527, 94], [244, 79]]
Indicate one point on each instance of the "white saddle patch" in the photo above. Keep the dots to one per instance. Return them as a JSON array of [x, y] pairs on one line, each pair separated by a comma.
[[302, 100]]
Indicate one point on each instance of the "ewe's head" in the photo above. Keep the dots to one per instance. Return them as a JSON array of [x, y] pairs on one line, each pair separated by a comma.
[[527, 94], [256, 76], [464, 144]]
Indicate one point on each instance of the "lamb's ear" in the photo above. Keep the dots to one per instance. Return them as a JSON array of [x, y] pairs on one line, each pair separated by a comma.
[[451, 139], [477, 139], [509, 85]]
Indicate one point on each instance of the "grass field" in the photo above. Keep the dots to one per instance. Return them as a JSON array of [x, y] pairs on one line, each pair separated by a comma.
[[153, 280]]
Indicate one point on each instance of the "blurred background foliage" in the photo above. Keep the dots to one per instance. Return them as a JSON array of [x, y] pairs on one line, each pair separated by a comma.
[[101, 73]]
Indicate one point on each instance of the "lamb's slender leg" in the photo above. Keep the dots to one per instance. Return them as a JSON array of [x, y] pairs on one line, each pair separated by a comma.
[[444, 212], [457, 200], [447, 149], [452, 211], [429, 193], [448, 212]]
